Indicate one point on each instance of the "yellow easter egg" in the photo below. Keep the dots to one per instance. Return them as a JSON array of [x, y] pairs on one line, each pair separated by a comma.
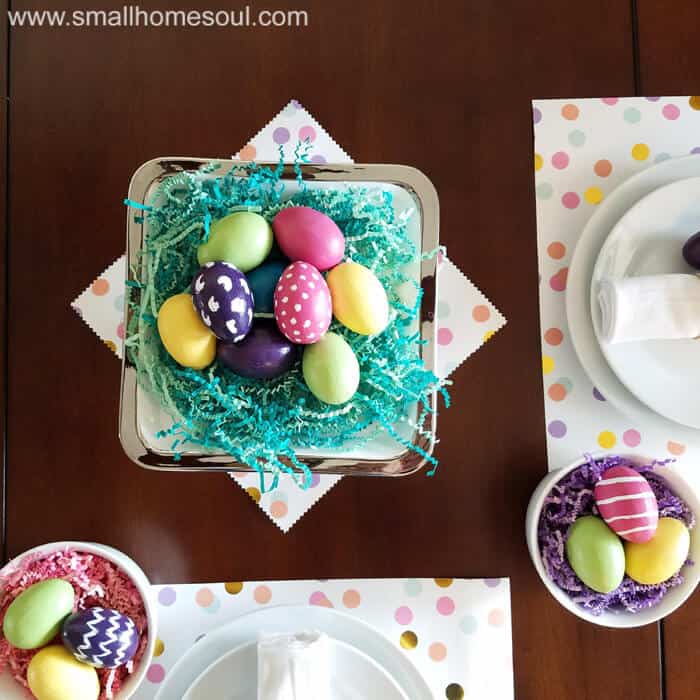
[[188, 341], [660, 557], [359, 300], [55, 674]]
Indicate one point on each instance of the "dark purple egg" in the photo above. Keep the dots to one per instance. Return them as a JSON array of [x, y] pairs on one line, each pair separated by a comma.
[[263, 354], [691, 251], [222, 297], [100, 637]]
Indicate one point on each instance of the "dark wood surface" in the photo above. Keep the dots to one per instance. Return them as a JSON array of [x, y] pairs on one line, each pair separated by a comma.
[[4, 97], [444, 86]]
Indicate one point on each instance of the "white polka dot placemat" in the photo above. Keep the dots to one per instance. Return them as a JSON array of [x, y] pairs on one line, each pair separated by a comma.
[[466, 318], [584, 149], [456, 632]]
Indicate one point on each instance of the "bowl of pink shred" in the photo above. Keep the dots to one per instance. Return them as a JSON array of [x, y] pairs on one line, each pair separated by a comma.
[[101, 577]]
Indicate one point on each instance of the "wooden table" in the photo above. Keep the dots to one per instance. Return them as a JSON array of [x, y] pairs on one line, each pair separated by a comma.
[[444, 86]]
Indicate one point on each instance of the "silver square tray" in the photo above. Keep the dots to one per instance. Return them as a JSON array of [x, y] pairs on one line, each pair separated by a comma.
[[136, 444]]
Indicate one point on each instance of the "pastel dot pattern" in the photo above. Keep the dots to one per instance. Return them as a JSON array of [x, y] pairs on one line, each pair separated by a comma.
[[458, 655], [302, 302], [403, 615], [621, 137]]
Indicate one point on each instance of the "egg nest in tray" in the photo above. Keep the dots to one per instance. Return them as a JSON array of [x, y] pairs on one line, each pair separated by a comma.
[[259, 421]]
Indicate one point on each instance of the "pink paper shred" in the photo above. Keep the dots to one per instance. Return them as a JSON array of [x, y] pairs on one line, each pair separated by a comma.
[[97, 582]]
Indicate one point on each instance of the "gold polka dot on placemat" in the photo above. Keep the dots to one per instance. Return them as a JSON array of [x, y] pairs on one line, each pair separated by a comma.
[[158, 647], [454, 691], [694, 102], [444, 582], [254, 493], [408, 640], [233, 587]]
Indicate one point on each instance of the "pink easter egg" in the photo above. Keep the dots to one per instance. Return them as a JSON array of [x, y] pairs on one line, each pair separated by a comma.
[[302, 303], [627, 504], [306, 234]]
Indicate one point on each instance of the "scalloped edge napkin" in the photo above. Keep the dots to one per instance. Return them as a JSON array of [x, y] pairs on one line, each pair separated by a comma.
[[466, 318]]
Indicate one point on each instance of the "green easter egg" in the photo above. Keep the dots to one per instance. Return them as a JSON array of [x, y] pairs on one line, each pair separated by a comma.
[[35, 616], [596, 554], [243, 239], [331, 369]]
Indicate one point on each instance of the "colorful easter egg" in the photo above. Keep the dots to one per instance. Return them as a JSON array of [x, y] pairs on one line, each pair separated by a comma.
[[262, 281], [331, 370], [263, 354], [359, 300], [655, 561], [243, 239], [306, 234], [101, 637], [55, 674], [596, 554], [691, 251], [627, 503], [35, 616], [223, 299], [188, 341], [302, 303]]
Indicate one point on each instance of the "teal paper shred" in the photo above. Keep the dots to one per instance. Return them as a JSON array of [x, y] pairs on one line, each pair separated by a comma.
[[255, 421]]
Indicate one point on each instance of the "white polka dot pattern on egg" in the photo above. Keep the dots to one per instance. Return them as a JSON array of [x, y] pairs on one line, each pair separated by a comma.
[[222, 298], [226, 282], [302, 304]]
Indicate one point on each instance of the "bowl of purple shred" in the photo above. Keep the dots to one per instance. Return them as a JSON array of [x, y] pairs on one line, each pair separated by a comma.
[[567, 494]]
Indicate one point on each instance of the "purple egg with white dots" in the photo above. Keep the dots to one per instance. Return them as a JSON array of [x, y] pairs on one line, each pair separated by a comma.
[[223, 299], [101, 637]]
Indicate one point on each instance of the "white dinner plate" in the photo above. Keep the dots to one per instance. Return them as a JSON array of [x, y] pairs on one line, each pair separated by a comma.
[[648, 240], [353, 676], [578, 289], [289, 620]]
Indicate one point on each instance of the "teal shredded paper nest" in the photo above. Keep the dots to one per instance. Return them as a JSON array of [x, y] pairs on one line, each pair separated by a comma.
[[260, 422]]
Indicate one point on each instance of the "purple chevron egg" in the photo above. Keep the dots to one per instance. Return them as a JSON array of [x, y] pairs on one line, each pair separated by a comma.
[[224, 302], [100, 637]]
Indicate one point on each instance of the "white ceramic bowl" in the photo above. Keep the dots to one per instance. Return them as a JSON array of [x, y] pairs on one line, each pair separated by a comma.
[[10, 689], [670, 602]]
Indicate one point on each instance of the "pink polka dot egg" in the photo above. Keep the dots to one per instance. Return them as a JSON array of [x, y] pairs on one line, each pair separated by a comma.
[[302, 304]]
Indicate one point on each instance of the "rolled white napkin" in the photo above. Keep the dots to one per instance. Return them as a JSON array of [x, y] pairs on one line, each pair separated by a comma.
[[294, 667], [648, 308]]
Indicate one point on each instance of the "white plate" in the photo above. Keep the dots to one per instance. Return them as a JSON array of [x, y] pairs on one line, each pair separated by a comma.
[[289, 620], [648, 240], [354, 676], [578, 288]]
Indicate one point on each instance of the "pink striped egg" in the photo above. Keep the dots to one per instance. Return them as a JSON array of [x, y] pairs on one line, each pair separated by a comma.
[[627, 504], [302, 304]]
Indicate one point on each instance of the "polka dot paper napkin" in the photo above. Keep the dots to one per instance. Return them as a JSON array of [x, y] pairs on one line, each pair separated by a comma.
[[584, 149], [466, 317], [457, 632]]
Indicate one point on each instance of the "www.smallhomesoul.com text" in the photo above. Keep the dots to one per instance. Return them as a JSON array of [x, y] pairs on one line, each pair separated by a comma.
[[133, 16]]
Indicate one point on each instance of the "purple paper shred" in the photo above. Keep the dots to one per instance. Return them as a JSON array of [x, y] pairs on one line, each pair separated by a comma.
[[571, 498]]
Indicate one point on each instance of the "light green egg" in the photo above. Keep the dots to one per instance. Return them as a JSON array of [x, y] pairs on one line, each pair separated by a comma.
[[596, 554], [243, 239], [331, 370], [35, 616]]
